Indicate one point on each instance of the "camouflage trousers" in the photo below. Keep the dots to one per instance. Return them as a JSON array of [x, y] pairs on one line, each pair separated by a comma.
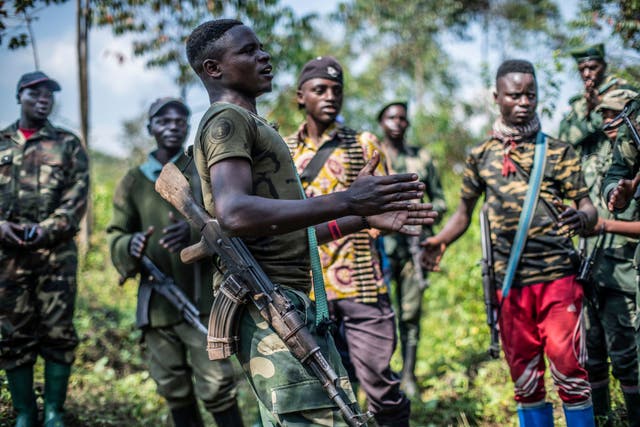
[[288, 393], [175, 354], [610, 336], [409, 301], [37, 299]]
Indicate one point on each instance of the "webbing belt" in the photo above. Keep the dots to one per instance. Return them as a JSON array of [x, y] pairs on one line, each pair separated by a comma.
[[528, 209]]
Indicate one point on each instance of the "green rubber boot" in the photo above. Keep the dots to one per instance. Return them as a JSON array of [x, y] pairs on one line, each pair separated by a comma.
[[56, 380], [24, 399]]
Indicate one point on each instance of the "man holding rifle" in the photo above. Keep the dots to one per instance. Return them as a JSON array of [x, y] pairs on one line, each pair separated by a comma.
[[250, 185], [144, 223], [524, 175], [609, 278]]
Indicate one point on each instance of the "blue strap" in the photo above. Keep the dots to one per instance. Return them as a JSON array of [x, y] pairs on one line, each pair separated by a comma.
[[528, 209]]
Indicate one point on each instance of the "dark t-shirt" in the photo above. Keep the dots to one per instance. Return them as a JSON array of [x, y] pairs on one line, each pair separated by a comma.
[[546, 254], [229, 131]]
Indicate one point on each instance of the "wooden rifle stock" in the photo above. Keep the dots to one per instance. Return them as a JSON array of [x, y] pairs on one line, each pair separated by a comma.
[[244, 281]]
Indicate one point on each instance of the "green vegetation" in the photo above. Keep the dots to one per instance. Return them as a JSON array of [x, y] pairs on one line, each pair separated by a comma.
[[110, 386]]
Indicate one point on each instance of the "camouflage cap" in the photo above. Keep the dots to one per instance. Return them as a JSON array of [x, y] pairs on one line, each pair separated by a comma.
[[587, 53], [35, 78], [616, 99], [323, 67], [160, 103]]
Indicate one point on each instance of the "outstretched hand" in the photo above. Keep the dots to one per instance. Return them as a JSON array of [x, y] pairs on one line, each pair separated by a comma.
[[621, 195], [408, 221], [432, 252], [138, 242], [371, 195]]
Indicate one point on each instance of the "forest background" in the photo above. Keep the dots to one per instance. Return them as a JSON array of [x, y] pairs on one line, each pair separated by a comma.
[[390, 50]]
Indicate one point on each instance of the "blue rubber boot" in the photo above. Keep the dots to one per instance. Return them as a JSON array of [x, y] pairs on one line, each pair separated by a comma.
[[580, 415], [536, 416]]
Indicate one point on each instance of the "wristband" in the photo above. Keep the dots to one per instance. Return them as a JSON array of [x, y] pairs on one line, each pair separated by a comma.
[[334, 229], [365, 223]]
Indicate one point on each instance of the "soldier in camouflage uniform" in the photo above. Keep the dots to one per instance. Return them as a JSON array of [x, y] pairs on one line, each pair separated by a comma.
[[250, 185], [403, 250], [582, 126], [44, 182], [618, 188], [610, 289], [541, 314], [143, 222]]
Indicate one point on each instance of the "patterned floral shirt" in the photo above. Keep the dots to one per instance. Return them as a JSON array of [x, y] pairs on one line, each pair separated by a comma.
[[342, 278]]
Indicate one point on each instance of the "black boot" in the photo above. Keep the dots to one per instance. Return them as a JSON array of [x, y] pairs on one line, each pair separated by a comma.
[[229, 417], [602, 406], [187, 416], [408, 383], [632, 401], [56, 380], [22, 396]]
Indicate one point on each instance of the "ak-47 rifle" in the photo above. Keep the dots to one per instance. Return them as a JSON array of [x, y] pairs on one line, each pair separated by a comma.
[[245, 280], [489, 284], [414, 250], [585, 271], [157, 281]]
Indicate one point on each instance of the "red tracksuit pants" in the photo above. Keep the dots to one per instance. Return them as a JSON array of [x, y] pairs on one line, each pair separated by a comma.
[[545, 319]]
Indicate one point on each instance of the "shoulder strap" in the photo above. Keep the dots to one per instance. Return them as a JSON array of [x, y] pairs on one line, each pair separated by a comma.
[[312, 169], [526, 216]]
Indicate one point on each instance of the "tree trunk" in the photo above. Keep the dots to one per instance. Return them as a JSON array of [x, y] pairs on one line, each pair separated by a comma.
[[82, 21]]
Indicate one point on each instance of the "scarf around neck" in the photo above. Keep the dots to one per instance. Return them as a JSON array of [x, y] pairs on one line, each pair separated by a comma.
[[510, 137]]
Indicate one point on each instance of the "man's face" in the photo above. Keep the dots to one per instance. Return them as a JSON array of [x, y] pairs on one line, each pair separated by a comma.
[[37, 102], [394, 122], [245, 66], [321, 98], [517, 96], [169, 128], [592, 72]]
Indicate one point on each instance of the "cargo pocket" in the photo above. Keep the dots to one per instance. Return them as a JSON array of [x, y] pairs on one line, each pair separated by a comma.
[[307, 396]]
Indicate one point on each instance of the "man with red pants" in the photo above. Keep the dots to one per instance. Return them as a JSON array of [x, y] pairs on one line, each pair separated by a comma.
[[541, 314]]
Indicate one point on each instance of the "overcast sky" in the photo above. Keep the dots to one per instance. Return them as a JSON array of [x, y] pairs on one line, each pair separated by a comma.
[[122, 91]]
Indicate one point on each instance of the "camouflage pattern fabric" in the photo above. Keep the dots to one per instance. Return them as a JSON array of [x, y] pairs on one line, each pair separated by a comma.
[[44, 180], [613, 268], [625, 165], [397, 246], [579, 127], [546, 254], [289, 394]]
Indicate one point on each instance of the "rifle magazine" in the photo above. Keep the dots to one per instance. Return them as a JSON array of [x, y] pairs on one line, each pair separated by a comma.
[[223, 337]]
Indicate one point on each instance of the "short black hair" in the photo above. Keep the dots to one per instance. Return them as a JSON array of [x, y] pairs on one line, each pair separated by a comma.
[[403, 104], [202, 39], [515, 66]]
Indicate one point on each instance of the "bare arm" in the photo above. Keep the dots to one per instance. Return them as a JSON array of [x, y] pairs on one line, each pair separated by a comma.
[[241, 213], [433, 248]]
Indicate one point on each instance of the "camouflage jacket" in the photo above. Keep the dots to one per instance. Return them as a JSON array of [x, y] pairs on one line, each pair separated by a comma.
[[546, 255], [613, 268], [416, 160], [44, 179], [582, 129]]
